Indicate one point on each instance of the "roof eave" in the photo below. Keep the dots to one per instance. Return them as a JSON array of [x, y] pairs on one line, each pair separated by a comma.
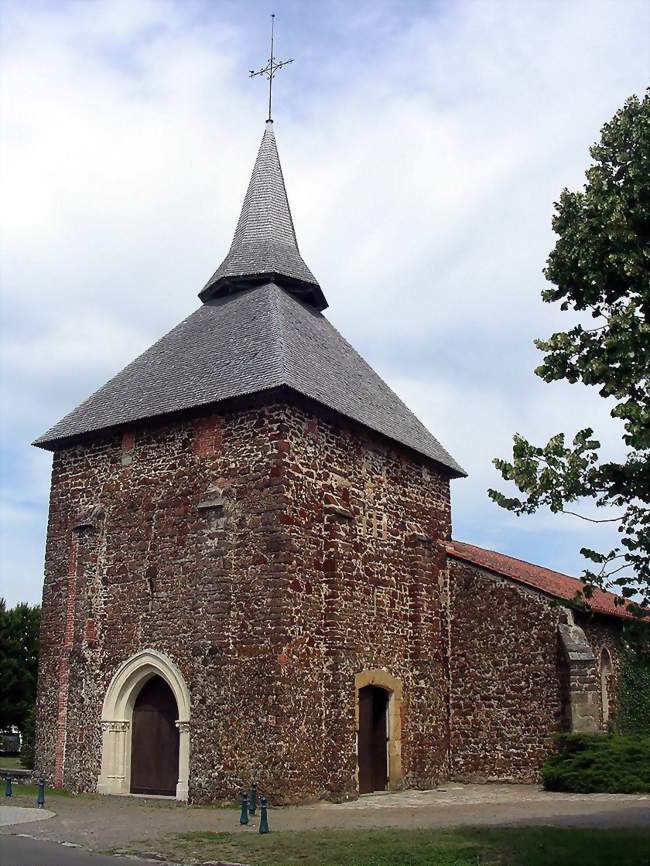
[[58, 443], [310, 293]]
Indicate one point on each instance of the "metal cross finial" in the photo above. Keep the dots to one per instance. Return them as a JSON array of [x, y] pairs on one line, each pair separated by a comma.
[[271, 68]]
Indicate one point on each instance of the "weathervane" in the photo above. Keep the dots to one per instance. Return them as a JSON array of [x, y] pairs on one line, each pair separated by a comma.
[[270, 69]]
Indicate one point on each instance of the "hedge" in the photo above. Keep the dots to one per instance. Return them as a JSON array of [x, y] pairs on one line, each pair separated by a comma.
[[591, 763]]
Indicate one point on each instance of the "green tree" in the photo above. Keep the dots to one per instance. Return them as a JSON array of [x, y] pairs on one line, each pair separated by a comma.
[[28, 746], [600, 269], [19, 631], [633, 715]]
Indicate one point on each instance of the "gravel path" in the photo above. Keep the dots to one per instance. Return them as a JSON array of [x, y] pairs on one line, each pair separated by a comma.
[[101, 823]]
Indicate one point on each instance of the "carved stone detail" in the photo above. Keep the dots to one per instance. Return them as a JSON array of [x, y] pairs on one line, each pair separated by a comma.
[[116, 727]]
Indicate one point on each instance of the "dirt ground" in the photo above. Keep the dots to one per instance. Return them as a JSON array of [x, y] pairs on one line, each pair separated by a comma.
[[100, 822]]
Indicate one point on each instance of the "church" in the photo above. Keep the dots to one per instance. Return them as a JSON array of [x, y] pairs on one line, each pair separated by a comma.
[[250, 571]]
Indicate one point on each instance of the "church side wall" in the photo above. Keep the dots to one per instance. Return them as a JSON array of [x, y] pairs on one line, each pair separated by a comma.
[[510, 676], [366, 593], [506, 695], [169, 538]]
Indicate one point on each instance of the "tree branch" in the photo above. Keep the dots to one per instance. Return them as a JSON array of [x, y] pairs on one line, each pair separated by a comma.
[[615, 571], [594, 519]]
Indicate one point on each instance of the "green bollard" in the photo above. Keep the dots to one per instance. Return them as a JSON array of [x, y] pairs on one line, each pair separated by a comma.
[[264, 820], [253, 804], [8, 790], [243, 818], [40, 796]]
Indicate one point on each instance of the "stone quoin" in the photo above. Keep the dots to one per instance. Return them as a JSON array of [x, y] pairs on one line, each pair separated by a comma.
[[250, 573]]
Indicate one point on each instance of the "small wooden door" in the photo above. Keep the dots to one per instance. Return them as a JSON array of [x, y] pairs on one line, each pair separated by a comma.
[[154, 742], [373, 739]]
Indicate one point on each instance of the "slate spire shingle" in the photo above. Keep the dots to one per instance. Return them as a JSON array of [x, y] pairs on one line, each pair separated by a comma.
[[259, 330], [265, 247]]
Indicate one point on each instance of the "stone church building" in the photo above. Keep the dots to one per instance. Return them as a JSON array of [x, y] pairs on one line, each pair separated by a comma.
[[250, 570]]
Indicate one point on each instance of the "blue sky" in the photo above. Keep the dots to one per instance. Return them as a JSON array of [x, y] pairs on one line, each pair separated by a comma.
[[423, 145]]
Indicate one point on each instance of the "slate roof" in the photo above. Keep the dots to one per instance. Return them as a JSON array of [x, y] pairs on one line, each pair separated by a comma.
[[246, 343], [550, 582], [265, 246], [260, 328]]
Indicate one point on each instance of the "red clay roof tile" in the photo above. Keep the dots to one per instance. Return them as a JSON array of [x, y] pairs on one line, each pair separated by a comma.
[[551, 582]]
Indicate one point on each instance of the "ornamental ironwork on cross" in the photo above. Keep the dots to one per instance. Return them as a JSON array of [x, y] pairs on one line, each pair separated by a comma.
[[271, 68]]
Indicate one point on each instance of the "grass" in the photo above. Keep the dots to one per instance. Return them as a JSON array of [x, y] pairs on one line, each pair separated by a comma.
[[504, 846], [591, 763], [12, 763], [30, 790]]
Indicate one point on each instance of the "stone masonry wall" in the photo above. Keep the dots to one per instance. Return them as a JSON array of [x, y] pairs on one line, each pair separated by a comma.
[[510, 678], [367, 592], [156, 570], [272, 553]]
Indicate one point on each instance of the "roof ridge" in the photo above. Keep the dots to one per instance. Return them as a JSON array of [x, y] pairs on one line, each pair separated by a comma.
[[284, 187], [517, 559], [366, 384], [278, 322], [388, 388]]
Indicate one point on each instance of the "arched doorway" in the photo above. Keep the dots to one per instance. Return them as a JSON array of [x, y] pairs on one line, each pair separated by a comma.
[[130, 706], [154, 740], [373, 739]]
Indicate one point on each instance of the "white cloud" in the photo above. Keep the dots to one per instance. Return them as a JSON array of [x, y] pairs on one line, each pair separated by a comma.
[[422, 157]]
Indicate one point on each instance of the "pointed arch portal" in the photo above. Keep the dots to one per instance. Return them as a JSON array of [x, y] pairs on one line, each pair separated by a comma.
[[145, 700]]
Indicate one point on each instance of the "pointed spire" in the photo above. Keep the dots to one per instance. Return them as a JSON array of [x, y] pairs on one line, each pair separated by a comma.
[[264, 248]]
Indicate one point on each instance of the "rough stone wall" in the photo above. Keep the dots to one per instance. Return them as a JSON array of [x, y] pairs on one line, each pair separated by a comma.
[[505, 688], [512, 685], [271, 553], [158, 570], [274, 552], [367, 592]]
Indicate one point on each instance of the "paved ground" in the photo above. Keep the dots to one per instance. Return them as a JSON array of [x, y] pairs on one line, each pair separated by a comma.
[[23, 851], [100, 823], [11, 815]]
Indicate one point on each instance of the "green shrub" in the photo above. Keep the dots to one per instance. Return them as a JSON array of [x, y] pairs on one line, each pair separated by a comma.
[[591, 763]]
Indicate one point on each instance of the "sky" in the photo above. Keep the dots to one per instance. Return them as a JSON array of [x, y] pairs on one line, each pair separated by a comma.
[[423, 145]]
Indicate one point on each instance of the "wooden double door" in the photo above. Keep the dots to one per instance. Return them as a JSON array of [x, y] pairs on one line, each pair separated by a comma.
[[373, 739], [154, 740]]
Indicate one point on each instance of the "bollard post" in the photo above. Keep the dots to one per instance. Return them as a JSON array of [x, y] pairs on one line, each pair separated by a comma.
[[264, 820], [243, 818], [8, 781], [40, 796], [253, 803]]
